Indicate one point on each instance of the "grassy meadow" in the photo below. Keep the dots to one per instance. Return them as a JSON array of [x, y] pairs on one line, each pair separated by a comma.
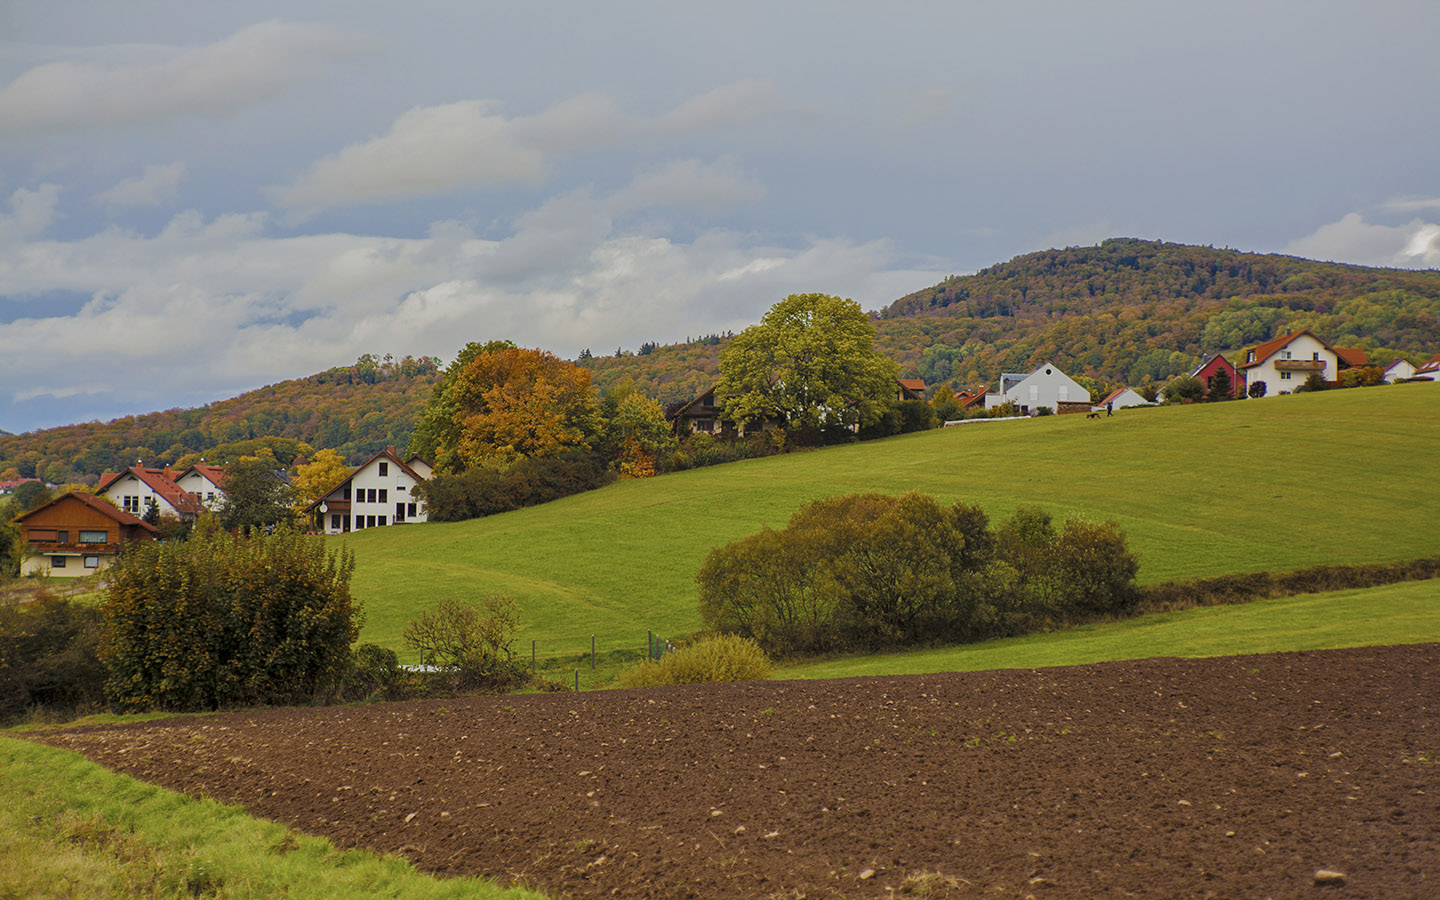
[[1275, 484]]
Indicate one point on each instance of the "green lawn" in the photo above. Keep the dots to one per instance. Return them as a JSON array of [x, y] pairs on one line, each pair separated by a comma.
[[1393, 614], [69, 828], [1274, 484]]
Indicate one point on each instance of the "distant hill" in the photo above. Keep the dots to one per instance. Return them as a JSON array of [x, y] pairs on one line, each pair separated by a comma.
[[1127, 311], [356, 410]]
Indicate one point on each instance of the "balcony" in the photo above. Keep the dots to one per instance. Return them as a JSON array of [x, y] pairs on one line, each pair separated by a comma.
[[74, 547], [1300, 365]]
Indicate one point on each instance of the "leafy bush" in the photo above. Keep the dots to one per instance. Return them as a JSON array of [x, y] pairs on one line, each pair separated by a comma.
[[715, 658], [471, 645], [1186, 388], [869, 570], [1257, 389], [374, 673], [480, 492], [49, 655], [225, 620]]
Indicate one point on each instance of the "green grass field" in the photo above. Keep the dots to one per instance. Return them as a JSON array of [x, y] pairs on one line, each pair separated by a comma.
[[1275, 484]]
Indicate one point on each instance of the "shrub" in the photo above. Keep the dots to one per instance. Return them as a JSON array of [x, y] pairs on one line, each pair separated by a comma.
[[1257, 389], [472, 645], [49, 656], [374, 673], [715, 658], [1183, 389], [480, 492], [224, 620]]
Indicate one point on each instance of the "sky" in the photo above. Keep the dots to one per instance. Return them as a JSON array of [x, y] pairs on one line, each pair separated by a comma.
[[197, 199]]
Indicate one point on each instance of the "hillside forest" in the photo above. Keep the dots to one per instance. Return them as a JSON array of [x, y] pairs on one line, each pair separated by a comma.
[[1127, 311]]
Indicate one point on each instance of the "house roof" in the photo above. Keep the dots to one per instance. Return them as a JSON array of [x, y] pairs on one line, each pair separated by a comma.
[[1430, 365], [106, 509], [970, 398], [159, 481], [1113, 396], [698, 397], [1209, 361], [389, 453], [914, 386], [1353, 356], [1349, 356], [215, 474]]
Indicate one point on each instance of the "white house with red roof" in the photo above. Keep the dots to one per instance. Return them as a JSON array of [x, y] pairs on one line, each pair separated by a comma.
[[1283, 364], [1120, 398], [206, 482], [1429, 369], [135, 487], [376, 494]]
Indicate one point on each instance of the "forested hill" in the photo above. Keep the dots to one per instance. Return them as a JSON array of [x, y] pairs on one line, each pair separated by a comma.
[[355, 410], [1126, 311]]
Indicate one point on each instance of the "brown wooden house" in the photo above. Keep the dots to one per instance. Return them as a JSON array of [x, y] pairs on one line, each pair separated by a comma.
[[77, 534]]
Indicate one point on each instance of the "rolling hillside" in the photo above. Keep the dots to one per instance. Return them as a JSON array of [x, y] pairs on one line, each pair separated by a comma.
[[1342, 476], [1126, 311]]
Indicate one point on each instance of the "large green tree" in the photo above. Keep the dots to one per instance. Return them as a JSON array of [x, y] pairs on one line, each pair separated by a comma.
[[810, 361], [255, 494]]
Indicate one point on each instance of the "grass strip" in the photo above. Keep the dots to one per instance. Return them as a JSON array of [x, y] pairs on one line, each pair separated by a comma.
[[70, 828]]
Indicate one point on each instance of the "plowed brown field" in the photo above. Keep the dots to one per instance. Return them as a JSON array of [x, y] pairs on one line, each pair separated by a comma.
[[1234, 777]]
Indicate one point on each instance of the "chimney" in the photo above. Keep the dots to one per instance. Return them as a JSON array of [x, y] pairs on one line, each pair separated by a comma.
[[392, 451]]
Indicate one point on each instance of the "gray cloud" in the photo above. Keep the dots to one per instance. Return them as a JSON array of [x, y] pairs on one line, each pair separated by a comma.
[[251, 65], [156, 185], [1414, 245], [471, 144]]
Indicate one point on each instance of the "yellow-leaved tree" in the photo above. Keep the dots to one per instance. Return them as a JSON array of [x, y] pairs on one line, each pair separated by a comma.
[[315, 478]]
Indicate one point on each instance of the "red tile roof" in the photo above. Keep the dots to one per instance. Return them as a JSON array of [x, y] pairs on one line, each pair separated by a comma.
[[1430, 365], [1110, 397], [107, 509], [161, 481], [1352, 356], [214, 473]]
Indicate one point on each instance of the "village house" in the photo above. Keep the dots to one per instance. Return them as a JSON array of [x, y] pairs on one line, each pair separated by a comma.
[[909, 389], [206, 482], [134, 488], [77, 534], [1210, 368], [1283, 364], [1046, 386], [376, 494], [1430, 369], [1399, 370], [1120, 398]]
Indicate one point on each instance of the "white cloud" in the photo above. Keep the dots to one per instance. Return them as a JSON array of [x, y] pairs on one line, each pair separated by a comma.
[[1414, 245], [251, 65], [31, 212], [471, 144], [711, 187], [206, 304], [156, 185], [1411, 204]]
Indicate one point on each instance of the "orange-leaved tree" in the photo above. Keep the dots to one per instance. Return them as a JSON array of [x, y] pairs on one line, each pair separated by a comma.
[[515, 403]]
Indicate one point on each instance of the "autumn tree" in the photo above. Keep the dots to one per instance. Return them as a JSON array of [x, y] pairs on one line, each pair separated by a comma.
[[638, 429], [313, 479], [513, 403], [811, 361], [437, 435]]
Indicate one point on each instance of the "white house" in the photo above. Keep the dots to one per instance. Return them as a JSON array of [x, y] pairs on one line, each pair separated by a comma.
[[135, 487], [376, 494], [1429, 369], [206, 482], [1046, 386], [1120, 398], [1284, 363]]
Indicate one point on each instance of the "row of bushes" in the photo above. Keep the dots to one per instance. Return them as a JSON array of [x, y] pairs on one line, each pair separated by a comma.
[[1244, 588], [480, 492], [868, 571]]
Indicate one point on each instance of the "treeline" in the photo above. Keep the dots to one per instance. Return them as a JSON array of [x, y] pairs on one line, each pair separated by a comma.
[[870, 572], [1128, 311], [356, 410]]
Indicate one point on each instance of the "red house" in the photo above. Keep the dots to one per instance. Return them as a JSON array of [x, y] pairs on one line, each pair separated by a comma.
[[1218, 363], [78, 534]]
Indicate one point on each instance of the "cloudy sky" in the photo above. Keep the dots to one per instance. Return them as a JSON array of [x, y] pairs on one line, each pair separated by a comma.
[[201, 198]]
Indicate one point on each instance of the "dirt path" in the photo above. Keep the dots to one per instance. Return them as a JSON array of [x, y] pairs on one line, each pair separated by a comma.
[[1233, 777]]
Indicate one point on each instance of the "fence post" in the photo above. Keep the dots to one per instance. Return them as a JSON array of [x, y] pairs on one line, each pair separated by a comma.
[[532, 658], [649, 646], [592, 651], [577, 681]]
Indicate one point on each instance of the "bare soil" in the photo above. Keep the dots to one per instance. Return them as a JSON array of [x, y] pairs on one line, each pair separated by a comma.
[[1234, 777]]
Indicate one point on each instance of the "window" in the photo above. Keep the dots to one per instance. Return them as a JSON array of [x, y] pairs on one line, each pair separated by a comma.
[[62, 536], [36, 535], [399, 513], [335, 523], [1251, 357], [1284, 376], [369, 521], [93, 537], [1285, 354], [210, 497], [359, 522], [92, 562], [130, 504], [384, 468], [1315, 356], [372, 495], [384, 495], [347, 492], [382, 520], [57, 562], [410, 509]]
